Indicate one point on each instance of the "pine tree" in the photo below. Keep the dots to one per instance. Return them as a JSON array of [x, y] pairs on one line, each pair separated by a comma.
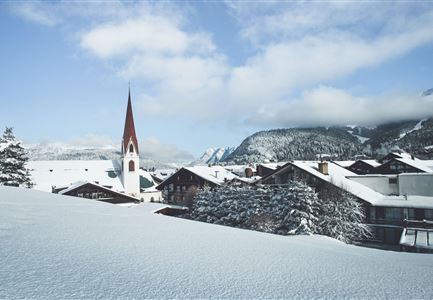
[[13, 158], [303, 217], [342, 216]]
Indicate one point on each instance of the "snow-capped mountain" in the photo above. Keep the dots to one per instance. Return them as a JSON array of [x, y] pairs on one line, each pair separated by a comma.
[[427, 92], [415, 137], [296, 143], [213, 156], [63, 151]]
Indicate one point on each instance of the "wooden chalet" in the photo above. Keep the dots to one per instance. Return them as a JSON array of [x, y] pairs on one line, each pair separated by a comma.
[[362, 167], [181, 187], [385, 213], [404, 165], [92, 190], [394, 155], [264, 170]]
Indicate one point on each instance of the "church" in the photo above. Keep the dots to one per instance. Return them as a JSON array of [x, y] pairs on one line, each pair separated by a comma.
[[114, 181]]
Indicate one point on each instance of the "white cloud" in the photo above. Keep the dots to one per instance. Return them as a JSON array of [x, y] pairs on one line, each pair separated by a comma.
[[327, 106], [272, 74], [34, 12], [293, 46], [279, 21], [154, 149], [93, 140], [309, 45], [147, 34]]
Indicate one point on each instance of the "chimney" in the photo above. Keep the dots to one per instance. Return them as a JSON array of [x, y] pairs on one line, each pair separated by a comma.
[[323, 168], [216, 174]]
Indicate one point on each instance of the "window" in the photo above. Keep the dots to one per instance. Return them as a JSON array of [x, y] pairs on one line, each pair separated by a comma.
[[393, 213], [393, 180], [131, 148], [428, 214], [131, 166]]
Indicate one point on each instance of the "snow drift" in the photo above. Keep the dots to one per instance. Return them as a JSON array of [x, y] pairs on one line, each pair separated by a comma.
[[55, 246]]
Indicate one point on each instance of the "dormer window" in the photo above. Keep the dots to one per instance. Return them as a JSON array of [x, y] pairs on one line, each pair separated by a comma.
[[131, 148]]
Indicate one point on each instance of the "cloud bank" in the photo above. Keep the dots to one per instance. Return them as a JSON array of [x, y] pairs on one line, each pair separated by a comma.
[[297, 51]]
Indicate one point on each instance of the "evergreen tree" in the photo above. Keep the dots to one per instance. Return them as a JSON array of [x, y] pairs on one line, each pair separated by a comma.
[[342, 216], [283, 210], [13, 158], [291, 209], [303, 217]]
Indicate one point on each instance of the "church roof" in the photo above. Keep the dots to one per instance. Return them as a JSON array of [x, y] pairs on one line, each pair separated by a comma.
[[129, 131]]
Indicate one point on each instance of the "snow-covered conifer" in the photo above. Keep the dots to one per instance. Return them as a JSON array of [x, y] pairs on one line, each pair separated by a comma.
[[294, 208], [261, 208], [304, 211], [342, 216], [13, 158]]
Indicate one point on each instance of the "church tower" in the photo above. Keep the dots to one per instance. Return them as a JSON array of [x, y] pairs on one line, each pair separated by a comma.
[[130, 158]]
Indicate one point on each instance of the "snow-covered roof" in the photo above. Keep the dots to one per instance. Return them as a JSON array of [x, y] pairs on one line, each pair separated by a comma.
[[411, 201], [274, 166], [249, 180], [63, 173], [423, 165], [344, 163], [371, 162], [148, 176], [239, 169], [163, 174], [56, 247], [81, 183], [404, 155], [337, 176], [340, 177], [215, 174]]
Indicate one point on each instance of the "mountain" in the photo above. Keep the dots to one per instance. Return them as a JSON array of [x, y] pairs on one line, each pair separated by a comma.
[[62, 151], [296, 143], [213, 156], [427, 93], [413, 136]]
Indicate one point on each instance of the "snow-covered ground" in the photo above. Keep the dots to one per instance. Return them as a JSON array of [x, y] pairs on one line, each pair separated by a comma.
[[54, 246]]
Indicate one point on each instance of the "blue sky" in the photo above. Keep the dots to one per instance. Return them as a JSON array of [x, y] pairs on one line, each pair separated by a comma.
[[208, 74]]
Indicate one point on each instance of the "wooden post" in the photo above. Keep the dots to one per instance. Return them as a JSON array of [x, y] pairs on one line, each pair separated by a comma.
[[428, 238], [416, 234]]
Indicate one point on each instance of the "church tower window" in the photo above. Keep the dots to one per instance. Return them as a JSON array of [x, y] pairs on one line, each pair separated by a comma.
[[131, 148], [131, 166]]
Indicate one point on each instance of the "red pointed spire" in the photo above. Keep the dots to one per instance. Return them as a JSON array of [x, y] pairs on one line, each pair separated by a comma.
[[129, 132]]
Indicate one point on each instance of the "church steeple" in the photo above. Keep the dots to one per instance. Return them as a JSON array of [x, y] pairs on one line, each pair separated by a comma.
[[129, 131], [130, 159]]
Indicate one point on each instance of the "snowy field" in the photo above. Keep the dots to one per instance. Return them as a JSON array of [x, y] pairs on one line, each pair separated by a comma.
[[55, 246]]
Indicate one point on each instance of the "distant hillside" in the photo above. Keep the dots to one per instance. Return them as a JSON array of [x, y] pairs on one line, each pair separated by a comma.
[[414, 136], [296, 143], [61, 151], [213, 156]]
